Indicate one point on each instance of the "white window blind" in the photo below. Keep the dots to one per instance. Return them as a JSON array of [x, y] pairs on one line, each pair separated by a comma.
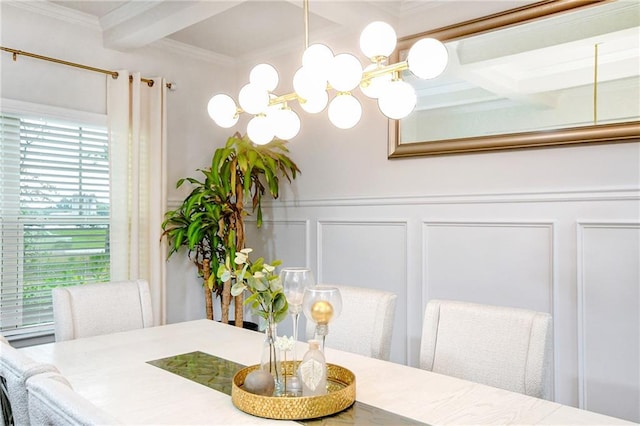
[[54, 216]]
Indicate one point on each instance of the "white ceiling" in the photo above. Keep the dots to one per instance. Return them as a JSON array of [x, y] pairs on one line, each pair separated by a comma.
[[243, 28]]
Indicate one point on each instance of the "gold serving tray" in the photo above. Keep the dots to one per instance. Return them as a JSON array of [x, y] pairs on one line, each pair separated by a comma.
[[341, 385]]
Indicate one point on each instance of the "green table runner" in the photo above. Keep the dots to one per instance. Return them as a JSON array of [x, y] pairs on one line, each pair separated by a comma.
[[217, 373]]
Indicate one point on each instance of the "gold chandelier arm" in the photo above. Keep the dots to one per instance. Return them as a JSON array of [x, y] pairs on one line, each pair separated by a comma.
[[284, 98], [366, 76], [389, 69]]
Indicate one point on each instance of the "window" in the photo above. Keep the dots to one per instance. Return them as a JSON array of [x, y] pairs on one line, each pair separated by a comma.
[[54, 216]]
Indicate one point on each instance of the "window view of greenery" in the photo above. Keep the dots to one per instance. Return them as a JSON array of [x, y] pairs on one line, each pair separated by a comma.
[[55, 216]]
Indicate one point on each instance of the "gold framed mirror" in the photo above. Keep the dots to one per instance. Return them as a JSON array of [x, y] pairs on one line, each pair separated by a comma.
[[556, 72]]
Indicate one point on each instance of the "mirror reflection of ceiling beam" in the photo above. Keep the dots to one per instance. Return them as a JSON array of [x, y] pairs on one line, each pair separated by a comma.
[[137, 24], [521, 63]]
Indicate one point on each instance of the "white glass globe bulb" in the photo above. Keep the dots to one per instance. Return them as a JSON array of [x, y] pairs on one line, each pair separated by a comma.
[[316, 102], [317, 59], [397, 100], [305, 83], [227, 122], [260, 130], [378, 39], [253, 99], [345, 111], [264, 76], [221, 107], [373, 87], [286, 123], [427, 58], [345, 73]]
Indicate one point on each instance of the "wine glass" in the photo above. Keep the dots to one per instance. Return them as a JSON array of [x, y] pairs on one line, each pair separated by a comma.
[[322, 304], [294, 281]]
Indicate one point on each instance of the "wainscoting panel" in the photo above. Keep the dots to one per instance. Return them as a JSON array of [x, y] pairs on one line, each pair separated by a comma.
[[368, 254], [609, 318], [280, 239], [509, 264], [514, 249]]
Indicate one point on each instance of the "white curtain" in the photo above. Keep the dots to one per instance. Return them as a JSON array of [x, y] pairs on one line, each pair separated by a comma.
[[137, 138]]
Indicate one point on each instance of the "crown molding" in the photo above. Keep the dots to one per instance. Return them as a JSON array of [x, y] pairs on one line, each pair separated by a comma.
[[172, 46], [55, 11]]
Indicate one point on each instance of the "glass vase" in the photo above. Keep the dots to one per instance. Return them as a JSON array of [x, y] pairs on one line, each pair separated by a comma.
[[270, 360]]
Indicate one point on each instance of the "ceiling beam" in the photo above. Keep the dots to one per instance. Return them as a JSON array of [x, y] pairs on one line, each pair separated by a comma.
[[137, 24]]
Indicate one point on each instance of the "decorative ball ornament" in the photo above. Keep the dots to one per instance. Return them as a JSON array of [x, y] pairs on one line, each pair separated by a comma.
[[322, 312], [260, 382], [264, 76], [378, 39], [427, 58]]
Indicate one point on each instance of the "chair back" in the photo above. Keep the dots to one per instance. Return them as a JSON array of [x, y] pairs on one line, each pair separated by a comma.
[[365, 325], [52, 402], [503, 347], [94, 309], [15, 369]]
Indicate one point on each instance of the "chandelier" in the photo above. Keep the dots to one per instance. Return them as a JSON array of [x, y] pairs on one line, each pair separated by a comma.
[[322, 73]]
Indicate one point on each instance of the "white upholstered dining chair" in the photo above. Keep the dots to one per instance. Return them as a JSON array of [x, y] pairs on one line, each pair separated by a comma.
[[52, 402], [94, 309], [365, 325], [503, 347], [15, 370]]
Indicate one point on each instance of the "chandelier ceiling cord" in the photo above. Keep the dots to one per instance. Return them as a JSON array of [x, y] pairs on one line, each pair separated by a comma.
[[322, 72]]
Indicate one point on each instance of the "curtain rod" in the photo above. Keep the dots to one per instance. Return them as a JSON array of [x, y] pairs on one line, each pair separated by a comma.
[[113, 74]]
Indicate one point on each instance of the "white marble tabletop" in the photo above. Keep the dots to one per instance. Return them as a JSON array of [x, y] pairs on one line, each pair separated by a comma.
[[112, 372]]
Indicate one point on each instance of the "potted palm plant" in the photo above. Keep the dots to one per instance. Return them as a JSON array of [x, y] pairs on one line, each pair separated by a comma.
[[209, 223]]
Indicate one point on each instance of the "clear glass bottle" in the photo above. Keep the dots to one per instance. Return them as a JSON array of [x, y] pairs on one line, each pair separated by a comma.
[[270, 361], [312, 371]]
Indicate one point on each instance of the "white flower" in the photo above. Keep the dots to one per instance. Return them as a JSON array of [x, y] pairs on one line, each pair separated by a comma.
[[258, 274], [241, 258], [246, 250], [284, 343], [268, 267]]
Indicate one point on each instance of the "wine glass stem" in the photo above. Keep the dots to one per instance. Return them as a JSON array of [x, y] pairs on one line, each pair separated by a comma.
[[295, 338]]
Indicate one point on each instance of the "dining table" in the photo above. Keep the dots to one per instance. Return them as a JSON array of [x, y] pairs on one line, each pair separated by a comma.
[[153, 376]]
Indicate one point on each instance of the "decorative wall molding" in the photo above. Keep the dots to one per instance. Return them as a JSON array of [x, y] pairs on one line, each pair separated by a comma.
[[354, 222], [604, 194], [283, 222], [403, 280], [552, 263], [581, 227]]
